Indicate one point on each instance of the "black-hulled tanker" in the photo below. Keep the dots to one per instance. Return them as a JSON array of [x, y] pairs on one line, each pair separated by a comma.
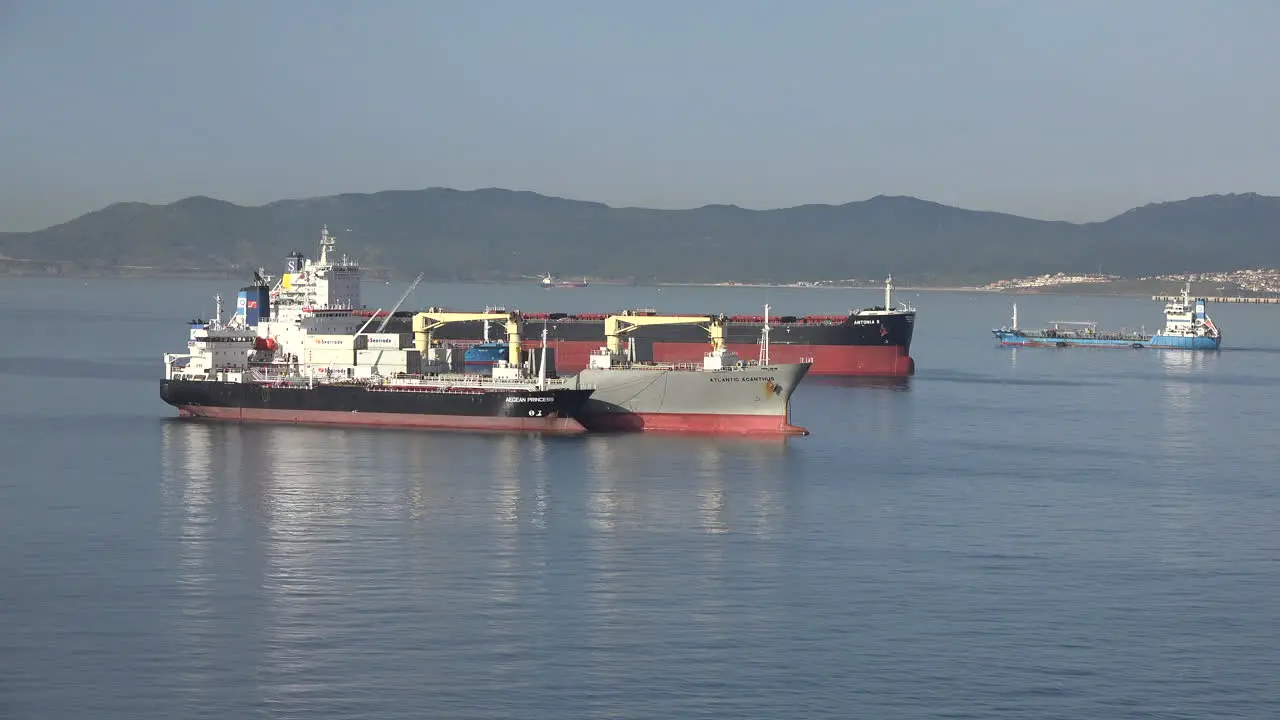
[[314, 366], [418, 405]]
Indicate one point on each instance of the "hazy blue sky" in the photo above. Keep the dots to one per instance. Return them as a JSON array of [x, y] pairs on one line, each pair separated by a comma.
[[1063, 110]]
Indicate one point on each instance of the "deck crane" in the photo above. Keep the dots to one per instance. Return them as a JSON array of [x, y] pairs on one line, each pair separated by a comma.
[[390, 313], [430, 319], [616, 325], [400, 302]]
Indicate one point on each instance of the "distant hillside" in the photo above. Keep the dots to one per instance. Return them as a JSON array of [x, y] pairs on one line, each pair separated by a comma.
[[502, 234]]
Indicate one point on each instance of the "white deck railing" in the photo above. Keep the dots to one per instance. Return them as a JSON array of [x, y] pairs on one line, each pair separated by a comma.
[[258, 375]]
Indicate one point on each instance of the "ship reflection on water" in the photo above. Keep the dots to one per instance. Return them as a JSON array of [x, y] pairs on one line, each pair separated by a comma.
[[305, 485], [669, 483], [287, 491], [190, 494], [291, 541], [1184, 390]]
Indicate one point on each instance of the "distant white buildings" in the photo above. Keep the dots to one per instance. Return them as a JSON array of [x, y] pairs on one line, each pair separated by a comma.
[[1050, 280], [1260, 280]]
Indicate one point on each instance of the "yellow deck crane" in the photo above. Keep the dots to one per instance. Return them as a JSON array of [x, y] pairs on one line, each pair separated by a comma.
[[616, 325], [425, 322]]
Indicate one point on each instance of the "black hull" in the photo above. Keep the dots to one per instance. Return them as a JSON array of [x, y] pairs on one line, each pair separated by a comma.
[[554, 410], [891, 330], [860, 345]]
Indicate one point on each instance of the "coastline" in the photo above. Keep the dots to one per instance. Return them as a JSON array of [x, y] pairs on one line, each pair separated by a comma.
[[770, 286], [57, 270], [14, 268]]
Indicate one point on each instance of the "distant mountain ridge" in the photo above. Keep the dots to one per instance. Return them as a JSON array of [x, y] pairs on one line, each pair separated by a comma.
[[495, 234]]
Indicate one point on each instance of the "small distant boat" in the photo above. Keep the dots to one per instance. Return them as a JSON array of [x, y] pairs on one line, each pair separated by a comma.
[[1187, 327], [549, 282]]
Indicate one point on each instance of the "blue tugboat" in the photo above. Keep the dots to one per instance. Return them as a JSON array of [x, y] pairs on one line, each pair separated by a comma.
[[1187, 327]]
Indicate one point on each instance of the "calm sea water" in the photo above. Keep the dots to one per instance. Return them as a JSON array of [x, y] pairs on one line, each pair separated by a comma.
[[1011, 533]]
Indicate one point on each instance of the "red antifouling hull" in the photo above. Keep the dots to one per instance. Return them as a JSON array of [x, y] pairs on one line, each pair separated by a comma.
[[841, 360], [554, 425]]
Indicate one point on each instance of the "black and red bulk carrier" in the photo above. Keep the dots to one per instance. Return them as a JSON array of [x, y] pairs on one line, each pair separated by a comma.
[[872, 342]]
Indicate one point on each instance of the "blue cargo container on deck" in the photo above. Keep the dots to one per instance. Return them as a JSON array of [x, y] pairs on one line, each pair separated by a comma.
[[485, 355], [482, 357]]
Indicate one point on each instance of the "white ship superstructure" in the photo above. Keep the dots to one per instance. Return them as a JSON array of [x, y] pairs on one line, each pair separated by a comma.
[[1187, 323], [323, 284], [314, 297], [216, 351], [312, 318], [236, 352]]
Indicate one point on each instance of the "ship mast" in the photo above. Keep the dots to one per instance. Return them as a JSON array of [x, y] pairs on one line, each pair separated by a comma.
[[542, 366], [1015, 316], [764, 342], [326, 241], [888, 292], [489, 309]]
